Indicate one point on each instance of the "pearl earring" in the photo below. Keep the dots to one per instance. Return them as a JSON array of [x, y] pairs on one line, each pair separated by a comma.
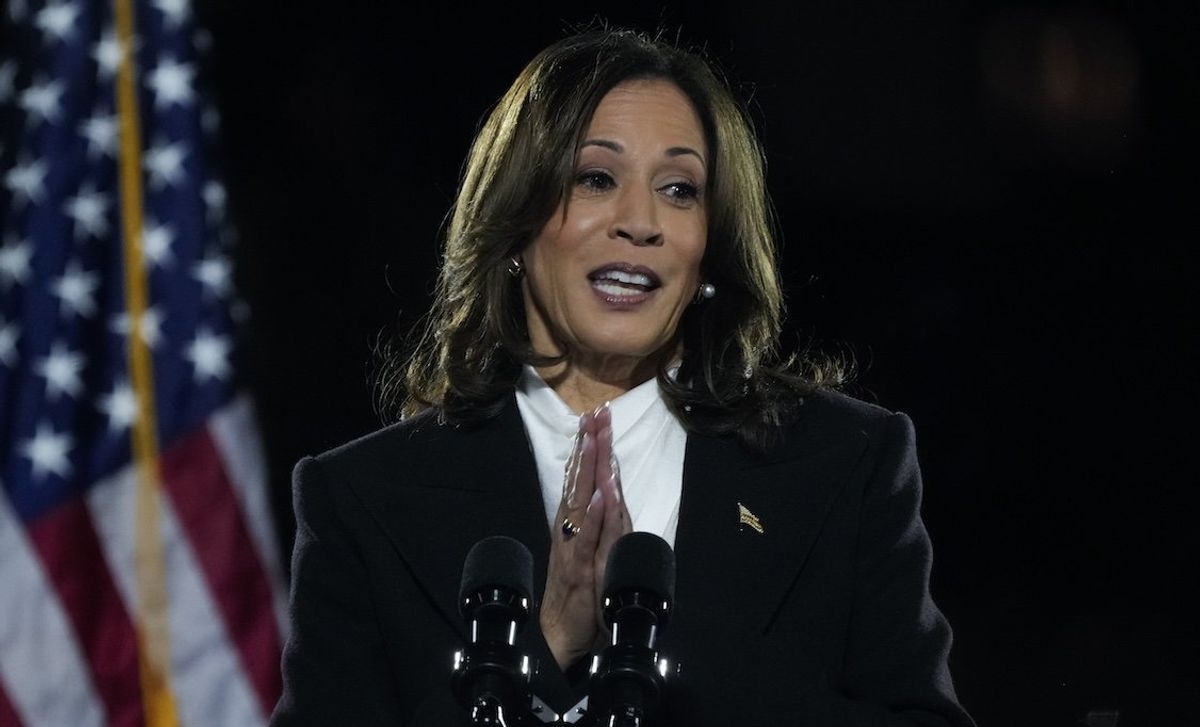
[[705, 292]]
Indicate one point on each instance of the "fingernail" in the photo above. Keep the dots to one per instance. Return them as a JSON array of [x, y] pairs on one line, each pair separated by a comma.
[[587, 442], [595, 498]]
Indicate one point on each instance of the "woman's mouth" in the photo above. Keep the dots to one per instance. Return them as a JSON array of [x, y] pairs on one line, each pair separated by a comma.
[[624, 282]]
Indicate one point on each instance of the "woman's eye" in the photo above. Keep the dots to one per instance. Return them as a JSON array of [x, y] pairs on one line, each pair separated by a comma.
[[595, 181], [681, 191]]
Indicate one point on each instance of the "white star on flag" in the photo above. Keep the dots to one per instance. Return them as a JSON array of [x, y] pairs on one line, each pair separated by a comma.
[[171, 83], [57, 20], [14, 262], [41, 101], [47, 450], [89, 209], [151, 326], [209, 355], [214, 274], [101, 134], [8, 343], [75, 288], [156, 243], [25, 181], [164, 162], [174, 11], [120, 406], [61, 369], [107, 53]]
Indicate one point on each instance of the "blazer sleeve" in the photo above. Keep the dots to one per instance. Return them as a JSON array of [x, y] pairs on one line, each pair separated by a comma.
[[896, 668], [334, 668]]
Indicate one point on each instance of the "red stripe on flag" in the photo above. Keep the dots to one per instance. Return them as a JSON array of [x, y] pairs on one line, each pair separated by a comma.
[[68, 546], [8, 714], [211, 516]]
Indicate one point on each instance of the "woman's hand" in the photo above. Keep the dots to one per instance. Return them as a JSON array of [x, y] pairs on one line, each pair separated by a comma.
[[592, 500]]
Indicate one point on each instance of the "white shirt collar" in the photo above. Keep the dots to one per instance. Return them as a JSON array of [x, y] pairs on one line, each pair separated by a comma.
[[553, 412]]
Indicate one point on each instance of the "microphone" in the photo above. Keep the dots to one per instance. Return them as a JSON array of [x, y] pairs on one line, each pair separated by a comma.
[[639, 590], [491, 678]]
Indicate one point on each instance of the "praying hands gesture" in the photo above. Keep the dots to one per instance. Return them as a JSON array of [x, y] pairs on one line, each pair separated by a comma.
[[591, 517]]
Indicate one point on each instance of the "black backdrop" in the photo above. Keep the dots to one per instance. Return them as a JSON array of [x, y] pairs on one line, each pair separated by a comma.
[[983, 205]]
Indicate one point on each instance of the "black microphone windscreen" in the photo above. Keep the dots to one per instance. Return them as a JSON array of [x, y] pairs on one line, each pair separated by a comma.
[[497, 562], [643, 561]]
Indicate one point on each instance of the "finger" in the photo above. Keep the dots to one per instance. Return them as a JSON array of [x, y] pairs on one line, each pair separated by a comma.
[[602, 416], [585, 474], [589, 532], [572, 466], [608, 479], [573, 498], [607, 469], [591, 422], [616, 517], [584, 485]]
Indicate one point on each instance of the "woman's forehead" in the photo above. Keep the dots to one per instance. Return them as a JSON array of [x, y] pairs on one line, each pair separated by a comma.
[[638, 110]]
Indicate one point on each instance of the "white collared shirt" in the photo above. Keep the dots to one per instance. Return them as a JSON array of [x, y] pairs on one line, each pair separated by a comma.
[[647, 438]]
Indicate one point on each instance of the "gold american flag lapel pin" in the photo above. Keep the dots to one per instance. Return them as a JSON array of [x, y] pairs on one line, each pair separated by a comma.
[[747, 519]]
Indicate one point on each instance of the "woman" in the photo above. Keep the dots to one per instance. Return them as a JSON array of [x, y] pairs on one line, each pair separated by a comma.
[[607, 308]]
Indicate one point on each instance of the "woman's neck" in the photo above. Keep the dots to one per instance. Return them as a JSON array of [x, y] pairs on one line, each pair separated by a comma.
[[585, 385]]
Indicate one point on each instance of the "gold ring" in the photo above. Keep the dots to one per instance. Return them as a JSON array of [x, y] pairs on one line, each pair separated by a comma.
[[569, 529]]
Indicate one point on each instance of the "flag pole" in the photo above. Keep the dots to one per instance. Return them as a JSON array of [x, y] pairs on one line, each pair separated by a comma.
[[154, 641]]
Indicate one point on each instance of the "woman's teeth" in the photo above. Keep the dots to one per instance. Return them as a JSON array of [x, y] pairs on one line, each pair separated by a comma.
[[623, 277], [610, 288], [623, 283]]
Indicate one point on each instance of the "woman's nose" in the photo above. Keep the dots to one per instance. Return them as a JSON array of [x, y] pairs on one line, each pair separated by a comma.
[[635, 218]]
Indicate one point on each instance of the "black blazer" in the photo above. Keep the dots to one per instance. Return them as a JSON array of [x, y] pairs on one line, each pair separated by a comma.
[[824, 618]]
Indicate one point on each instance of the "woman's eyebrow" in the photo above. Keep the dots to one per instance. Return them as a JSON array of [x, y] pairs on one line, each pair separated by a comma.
[[607, 144], [682, 150], [672, 152]]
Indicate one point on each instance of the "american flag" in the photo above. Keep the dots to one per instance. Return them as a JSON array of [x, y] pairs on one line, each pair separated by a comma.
[[140, 578]]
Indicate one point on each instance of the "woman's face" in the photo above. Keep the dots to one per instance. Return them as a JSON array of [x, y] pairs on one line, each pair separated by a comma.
[[614, 268]]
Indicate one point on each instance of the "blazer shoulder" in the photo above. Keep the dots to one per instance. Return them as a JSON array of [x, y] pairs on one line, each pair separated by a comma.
[[423, 449], [837, 412], [398, 444]]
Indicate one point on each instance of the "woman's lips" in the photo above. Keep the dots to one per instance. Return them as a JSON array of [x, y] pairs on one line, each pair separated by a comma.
[[624, 285]]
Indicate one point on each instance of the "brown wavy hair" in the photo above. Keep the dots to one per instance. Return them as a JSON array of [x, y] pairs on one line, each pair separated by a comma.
[[467, 354]]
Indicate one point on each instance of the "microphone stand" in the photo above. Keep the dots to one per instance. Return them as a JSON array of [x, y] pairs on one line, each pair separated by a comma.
[[491, 677], [489, 673], [628, 679]]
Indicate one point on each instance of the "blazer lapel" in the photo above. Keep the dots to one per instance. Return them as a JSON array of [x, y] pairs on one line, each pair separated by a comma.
[[460, 486], [722, 560], [435, 501]]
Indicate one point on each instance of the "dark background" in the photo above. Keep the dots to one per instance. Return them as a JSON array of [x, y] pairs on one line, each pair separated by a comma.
[[984, 206]]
